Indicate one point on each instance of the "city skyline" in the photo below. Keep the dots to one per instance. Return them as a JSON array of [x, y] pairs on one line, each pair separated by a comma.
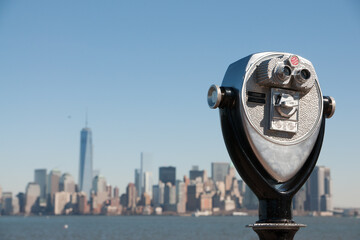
[[142, 70], [195, 192], [219, 170]]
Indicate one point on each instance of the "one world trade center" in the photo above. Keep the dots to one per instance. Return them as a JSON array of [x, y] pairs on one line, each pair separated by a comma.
[[86, 165]]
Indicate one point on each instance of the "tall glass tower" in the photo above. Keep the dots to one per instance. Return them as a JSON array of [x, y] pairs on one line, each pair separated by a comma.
[[86, 159]]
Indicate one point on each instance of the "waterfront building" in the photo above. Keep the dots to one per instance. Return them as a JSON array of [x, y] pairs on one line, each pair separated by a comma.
[[167, 174], [32, 198], [220, 186], [15, 206], [83, 206], [123, 200], [299, 200], [131, 196], [145, 199], [229, 178], [195, 173], [67, 183], [216, 200], [86, 161], [158, 194], [250, 200], [140, 188], [137, 181], [52, 187], [229, 204], [319, 190], [205, 201], [109, 191], [242, 187], [139, 177], [193, 194], [155, 199], [161, 193], [100, 193], [99, 184], [181, 192], [21, 201], [61, 199], [170, 197], [148, 183], [116, 192], [7, 203], [219, 170], [40, 178], [209, 185]]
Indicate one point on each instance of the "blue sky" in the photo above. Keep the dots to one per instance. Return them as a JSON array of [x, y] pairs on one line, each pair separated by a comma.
[[143, 68]]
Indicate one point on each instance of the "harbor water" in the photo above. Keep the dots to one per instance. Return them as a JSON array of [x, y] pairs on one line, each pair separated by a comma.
[[163, 227]]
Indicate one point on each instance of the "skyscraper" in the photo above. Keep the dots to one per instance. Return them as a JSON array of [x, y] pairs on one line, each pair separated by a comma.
[[137, 181], [7, 203], [40, 178], [67, 183], [196, 173], [167, 174], [319, 190], [148, 183], [32, 198], [131, 196], [52, 187], [219, 170], [86, 161]]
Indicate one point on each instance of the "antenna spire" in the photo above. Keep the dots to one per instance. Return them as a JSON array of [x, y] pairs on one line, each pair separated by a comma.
[[86, 118]]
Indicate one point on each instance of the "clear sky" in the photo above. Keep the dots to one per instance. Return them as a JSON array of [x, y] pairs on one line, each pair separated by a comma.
[[143, 68]]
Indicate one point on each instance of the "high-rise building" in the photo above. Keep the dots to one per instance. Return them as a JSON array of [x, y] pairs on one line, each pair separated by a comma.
[[131, 196], [170, 197], [193, 194], [137, 181], [195, 174], [116, 192], [319, 190], [158, 194], [250, 200], [21, 198], [109, 190], [155, 198], [40, 178], [205, 202], [229, 178], [67, 183], [99, 184], [15, 206], [52, 187], [181, 191], [242, 187], [141, 175], [7, 203], [86, 161], [299, 200], [60, 201], [148, 183], [219, 170], [101, 193], [32, 198], [82, 203], [167, 174]]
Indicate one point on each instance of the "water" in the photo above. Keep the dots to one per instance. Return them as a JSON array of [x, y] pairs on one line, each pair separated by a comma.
[[163, 227]]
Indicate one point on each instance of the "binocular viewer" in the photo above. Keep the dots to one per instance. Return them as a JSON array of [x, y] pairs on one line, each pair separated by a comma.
[[272, 114]]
